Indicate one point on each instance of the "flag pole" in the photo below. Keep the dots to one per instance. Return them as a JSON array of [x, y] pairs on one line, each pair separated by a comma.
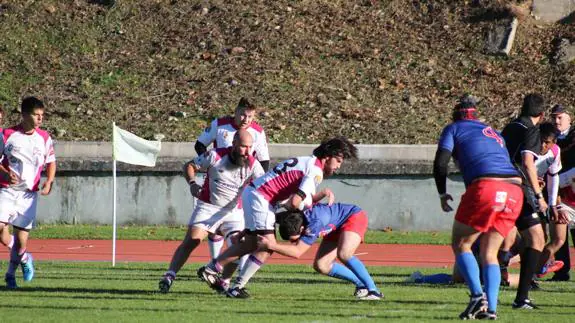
[[114, 197]]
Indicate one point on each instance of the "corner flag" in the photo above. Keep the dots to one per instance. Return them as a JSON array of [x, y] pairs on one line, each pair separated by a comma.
[[131, 149]]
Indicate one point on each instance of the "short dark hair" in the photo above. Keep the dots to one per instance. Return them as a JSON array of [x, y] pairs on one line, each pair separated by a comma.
[[338, 146], [533, 105], [547, 130], [290, 223], [245, 104], [29, 104]]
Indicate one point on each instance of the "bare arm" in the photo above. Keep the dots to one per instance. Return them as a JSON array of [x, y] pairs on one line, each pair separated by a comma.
[[50, 175], [288, 250], [190, 175]]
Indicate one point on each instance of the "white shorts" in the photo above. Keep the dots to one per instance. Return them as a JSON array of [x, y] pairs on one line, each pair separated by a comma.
[[259, 214], [214, 219], [570, 214], [18, 207]]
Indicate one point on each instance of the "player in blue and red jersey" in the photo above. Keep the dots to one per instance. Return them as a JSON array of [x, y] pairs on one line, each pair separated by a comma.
[[342, 227], [489, 207]]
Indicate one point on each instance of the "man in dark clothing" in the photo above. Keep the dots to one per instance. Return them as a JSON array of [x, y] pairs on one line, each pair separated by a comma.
[[524, 144]]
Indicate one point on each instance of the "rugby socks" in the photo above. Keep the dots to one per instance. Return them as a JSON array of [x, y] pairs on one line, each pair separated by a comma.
[[242, 262], [170, 273], [491, 280], [340, 271], [358, 268], [16, 260], [469, 269], [215, 245], [435, 279], [529, 260], [252, 265]]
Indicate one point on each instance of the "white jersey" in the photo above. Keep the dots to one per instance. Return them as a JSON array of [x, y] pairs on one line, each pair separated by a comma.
[[25, 155], [550, 163], [221, 133], [301, 173], [225, 180]]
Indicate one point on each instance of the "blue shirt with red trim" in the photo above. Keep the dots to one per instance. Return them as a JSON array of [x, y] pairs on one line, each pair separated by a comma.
[[323, 219], [478, 150]]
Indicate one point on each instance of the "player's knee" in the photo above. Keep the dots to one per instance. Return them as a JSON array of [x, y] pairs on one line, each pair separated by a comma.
[[322, 267], [344, 255]]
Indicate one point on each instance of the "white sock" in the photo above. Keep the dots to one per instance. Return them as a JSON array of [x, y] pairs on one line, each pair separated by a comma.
[[242, 262], [215, 247], [251, 266]]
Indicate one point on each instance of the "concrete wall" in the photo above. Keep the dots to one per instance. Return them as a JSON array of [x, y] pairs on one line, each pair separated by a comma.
[[393, 183], [400, 202], [553, 10]]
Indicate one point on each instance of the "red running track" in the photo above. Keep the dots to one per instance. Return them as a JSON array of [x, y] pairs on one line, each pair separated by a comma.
[[161, 251]]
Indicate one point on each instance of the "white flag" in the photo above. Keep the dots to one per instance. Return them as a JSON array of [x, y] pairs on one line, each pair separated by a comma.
[[131, 149]]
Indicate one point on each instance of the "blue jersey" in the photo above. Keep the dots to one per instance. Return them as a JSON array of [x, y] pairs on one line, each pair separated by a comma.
[[478, 150], [323, 219]]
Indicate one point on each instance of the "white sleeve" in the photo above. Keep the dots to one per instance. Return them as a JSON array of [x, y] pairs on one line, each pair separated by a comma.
[[50, 156], [208, 136], [205, 160], [552, 189], [556, 166], [311, 180], [261, 147]]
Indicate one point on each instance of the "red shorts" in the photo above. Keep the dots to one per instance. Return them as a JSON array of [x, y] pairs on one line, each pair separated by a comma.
[[357, 223], [488, 204]]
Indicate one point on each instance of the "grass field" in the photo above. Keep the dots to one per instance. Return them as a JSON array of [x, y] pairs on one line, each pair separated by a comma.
[[95, 292], [177, 233]]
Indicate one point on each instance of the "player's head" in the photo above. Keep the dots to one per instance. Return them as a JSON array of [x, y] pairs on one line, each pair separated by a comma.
[[241, 147], [245, 113], [32, 110], [548, 135], [560, 118], [333, 152], [291, 224], [465, 109], [533, 106]]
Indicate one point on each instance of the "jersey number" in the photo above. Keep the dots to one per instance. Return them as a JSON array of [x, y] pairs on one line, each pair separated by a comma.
[[282, 168], [489, 132]]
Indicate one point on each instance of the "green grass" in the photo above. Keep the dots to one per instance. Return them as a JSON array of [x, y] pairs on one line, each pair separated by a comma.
[[96, 292], [176, 233]]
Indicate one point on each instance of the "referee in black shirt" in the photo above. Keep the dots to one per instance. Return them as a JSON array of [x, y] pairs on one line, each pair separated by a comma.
[[524, 144]]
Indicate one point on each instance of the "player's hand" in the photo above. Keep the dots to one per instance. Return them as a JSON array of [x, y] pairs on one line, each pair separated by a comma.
[[46, 188], [444, 205], [329, 195], [14, 179], [541, 182], [542, 205], [195, 189], [561, 217], [263, 243]]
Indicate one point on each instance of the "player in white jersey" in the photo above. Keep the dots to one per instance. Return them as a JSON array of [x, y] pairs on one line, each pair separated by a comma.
[[229, 170], [220, 134], [27, 149], [548, 164], [293, 181]]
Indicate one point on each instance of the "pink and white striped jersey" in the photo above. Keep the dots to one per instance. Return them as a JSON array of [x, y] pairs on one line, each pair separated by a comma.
[[221, 133], [25, 155], [225, 180], [300, 173], [550, 163]]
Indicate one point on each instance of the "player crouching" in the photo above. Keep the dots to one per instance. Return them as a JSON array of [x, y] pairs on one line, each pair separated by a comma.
[[342, 227]]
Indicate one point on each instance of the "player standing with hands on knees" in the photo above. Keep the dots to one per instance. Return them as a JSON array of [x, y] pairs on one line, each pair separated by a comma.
[[489, 207], [294, 180], [27, 149]]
